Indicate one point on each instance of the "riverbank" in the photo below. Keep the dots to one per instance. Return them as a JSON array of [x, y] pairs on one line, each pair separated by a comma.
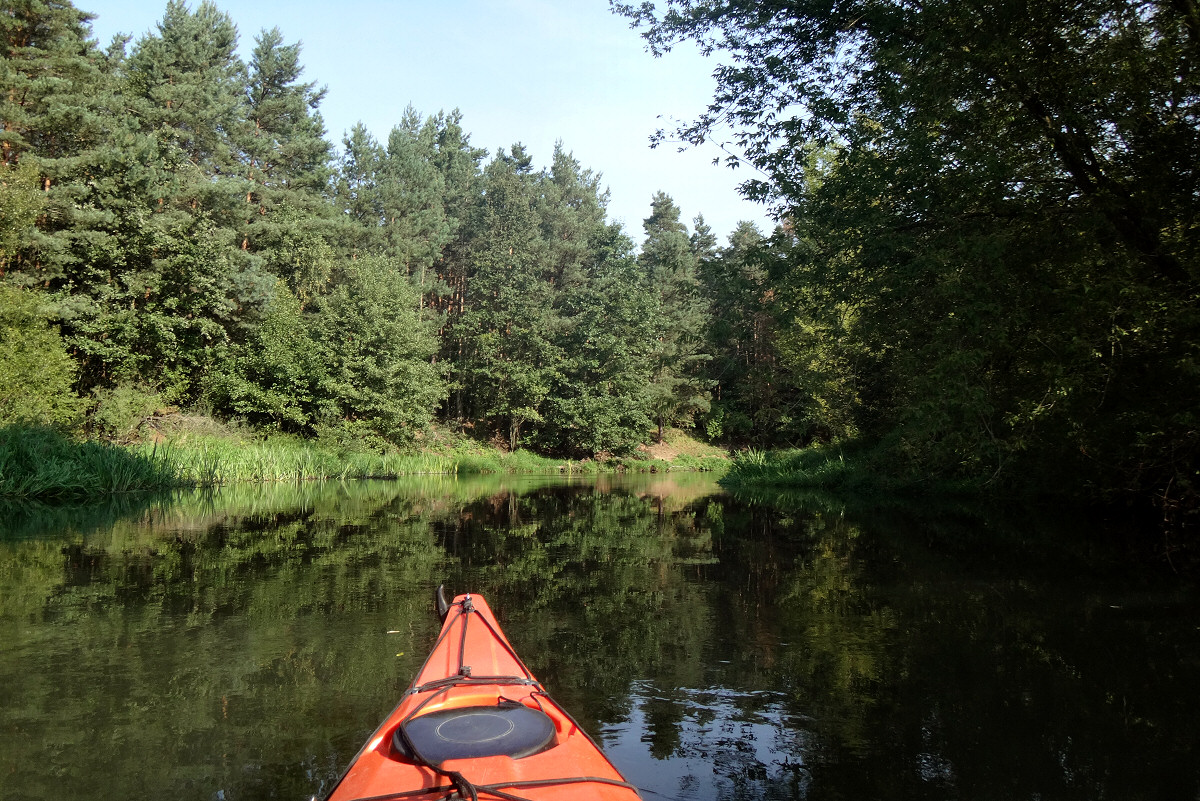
[[847, 471], [856, 476], [182, 451]]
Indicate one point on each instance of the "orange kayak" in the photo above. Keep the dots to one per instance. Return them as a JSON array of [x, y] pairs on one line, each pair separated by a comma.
[[475, 724]]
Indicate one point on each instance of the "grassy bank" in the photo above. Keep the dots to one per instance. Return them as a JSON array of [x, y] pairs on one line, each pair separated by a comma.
[[41, 463], [832, 469], [210, 460]]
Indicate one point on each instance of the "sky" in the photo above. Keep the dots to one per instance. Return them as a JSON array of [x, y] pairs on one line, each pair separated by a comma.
[[529, 71]]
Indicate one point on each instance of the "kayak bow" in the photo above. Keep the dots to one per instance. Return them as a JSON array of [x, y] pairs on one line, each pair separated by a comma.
[[475, 724]]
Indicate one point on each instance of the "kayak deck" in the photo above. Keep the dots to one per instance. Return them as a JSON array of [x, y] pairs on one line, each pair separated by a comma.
[[476, 724]]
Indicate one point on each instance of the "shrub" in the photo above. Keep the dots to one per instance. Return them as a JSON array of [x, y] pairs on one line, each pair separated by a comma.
[[120, 411], [36, 373]]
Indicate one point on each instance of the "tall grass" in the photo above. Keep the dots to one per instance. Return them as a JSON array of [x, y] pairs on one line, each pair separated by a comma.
[[810, 467], [38, 463], [844, 471], [44, 463], [207, 461]]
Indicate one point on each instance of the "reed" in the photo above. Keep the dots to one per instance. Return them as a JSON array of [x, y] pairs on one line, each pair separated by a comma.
[[844, 471], [826, 468], [38, 463], [43, 463], [208, 461]]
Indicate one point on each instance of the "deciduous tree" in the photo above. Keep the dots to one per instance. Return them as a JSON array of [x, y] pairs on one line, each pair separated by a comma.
[[993, 210]]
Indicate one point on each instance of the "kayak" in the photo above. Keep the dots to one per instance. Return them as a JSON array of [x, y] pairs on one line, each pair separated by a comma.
[[475, 724]]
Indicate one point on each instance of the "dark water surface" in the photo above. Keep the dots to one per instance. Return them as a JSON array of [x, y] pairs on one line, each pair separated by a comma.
[[243, 644]]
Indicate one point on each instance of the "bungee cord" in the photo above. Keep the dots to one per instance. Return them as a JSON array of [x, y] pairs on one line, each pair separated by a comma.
[[460, 787]]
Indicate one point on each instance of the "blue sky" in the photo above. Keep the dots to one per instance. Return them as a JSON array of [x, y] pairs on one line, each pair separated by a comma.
[[529, 71]]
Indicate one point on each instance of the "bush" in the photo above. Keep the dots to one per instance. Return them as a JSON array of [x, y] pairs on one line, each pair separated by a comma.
[[120, 411], [277, 377], [36, 373], [351, 436]]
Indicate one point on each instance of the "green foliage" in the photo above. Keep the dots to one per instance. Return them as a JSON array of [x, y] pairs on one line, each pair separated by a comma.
[[986, 263], [120, 411], [599, 401], [377, 350], [286, 219], [21, 199], [989, 257], [355, 193], [351, 436], [138, 155], [181, 208], [287, 160], [174, 319], [36, 373], [48, 71], [189, 86], [511, 354], [278, 376], [755, 392], [39, 464], [678, 387], [827, 468], [296, 251], [411, 203]]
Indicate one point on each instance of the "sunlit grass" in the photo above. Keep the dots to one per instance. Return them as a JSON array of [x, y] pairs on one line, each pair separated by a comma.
[[45, 464], [829, 468], [209, 461]]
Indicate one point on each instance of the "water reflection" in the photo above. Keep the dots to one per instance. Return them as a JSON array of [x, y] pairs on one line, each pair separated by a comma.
[[716, 742], [242, 644]]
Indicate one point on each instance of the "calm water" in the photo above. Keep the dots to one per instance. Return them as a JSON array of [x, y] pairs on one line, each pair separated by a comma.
[[242, 645]]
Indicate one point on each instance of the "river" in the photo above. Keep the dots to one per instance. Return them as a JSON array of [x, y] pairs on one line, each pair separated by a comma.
[[242, 644]]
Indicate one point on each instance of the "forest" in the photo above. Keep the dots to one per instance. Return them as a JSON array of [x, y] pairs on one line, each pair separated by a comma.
[[984, 269]]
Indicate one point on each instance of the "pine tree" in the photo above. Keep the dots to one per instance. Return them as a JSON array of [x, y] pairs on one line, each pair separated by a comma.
[[510, 357], [678, 386], [458, 163], [189, 89], [571, 212], [65, 116], [162, 286], [55, 113], [411, 197], [703, 241], [286, 159], [604, 319], [356, 195], [600, 401], [50, 74], [749, 404]]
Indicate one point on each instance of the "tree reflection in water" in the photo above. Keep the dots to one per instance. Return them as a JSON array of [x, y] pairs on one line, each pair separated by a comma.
[[727, 744], [243, 644]]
